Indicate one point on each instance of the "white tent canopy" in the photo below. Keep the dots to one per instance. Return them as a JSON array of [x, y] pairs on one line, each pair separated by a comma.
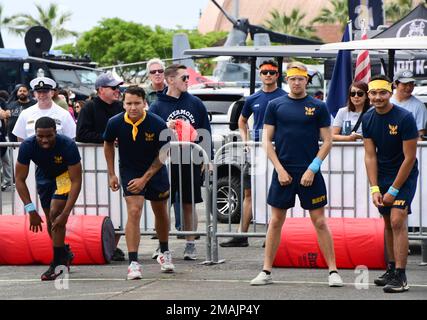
[[408, 43]]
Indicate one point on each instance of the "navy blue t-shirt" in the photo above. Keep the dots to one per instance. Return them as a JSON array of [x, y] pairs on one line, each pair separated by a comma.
[[388, 131], [297, 123], [257, 104], [53, 162], [137, 155]]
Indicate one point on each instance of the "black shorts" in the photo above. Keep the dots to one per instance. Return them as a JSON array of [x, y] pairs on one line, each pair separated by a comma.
[[186, 184], [157, 189], [311, 198], [46, 189], [405, 196]]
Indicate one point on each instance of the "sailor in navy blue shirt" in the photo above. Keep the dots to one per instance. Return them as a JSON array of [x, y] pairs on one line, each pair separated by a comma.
[[295, 123], [255, 105], [142, 139], [58, 178], [390, 139]]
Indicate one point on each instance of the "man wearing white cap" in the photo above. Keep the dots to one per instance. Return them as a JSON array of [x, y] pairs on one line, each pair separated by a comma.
[[405, 84], [45, 107]]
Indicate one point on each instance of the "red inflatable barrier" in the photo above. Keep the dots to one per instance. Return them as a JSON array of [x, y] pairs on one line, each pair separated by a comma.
[[91, 239], [356, 241]]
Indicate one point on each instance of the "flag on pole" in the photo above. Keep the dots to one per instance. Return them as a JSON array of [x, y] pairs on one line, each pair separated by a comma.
[[341, 78], [363, 63]]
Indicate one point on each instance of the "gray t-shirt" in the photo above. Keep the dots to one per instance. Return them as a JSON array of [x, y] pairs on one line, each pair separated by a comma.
[[416, 107], [346, 120]]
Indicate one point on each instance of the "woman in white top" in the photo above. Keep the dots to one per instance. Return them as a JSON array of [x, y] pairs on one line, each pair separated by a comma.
[[348, 116]]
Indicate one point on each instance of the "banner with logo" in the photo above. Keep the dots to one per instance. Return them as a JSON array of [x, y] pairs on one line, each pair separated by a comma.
[[412, 25], [369, 12]]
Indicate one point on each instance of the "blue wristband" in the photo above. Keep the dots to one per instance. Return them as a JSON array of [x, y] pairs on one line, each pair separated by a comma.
[[315, 165], [30, 207], [393, 191]]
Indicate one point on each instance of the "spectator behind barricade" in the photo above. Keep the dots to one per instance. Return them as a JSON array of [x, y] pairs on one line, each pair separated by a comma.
[[93, 119], [156, 74], [64, 95], [319, 95], [94, 116], [347, 123], [5, 162], [21, 101], [405, 84], [60, 102], [176, 103], [78, 107]]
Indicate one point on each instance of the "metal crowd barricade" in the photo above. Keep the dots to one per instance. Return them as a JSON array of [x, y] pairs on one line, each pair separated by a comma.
[[96, 198], [347, 190]]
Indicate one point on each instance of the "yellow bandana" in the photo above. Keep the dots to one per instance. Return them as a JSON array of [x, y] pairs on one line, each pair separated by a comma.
[[380, 85], [134, 125], [296, 72]]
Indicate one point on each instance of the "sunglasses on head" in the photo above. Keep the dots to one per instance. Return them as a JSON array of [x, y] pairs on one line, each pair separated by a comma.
[[160, 71], [270, 72], [358, 93], [185, 77]]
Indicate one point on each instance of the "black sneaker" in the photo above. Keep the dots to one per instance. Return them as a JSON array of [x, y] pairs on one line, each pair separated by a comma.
[[235, 242], [118, 255], [396, 285], [385, 278], [50, 274], [180, 236], [70, 256]]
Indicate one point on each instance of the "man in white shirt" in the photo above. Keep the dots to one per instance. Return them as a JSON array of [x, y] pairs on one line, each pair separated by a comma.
[[405, 84], [45, 107]]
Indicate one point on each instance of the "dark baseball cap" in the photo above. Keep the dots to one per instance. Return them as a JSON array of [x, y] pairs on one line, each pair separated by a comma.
[[107, 80]]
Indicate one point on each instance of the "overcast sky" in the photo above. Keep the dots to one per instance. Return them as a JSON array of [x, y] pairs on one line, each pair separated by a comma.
[[87, 13]]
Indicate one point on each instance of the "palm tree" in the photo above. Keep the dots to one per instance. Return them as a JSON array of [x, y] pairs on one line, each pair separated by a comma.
[[51, 18], [4, 22], [338, 14], [291, 24], [396, 10]]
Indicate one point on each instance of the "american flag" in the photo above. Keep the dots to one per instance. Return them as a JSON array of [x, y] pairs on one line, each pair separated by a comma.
[[363, 64]]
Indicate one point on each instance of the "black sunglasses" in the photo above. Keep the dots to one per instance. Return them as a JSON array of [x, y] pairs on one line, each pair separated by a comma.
[[185, 77], [113, 88], [270, 72], [160, 71], [359, 93]]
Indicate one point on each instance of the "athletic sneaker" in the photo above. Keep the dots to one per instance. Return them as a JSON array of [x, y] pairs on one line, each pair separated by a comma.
[[134, 271], [50, 274], [190, 252], [262, 279], [396, 285], [385, 278], [235, 242], [155, 253], [335, 280], [70, 256], [165, 261]]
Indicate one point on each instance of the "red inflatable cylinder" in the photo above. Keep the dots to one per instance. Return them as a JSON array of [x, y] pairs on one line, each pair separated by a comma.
[[356, 241], [91, 239]]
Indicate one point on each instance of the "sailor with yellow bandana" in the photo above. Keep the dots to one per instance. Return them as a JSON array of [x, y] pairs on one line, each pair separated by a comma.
[[390, 138]]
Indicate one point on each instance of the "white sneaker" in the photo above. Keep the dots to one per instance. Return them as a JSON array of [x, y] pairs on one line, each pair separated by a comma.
[[262, 279], [155, 253], [165, 261], [134, 271], [190, 252], [335, 280]]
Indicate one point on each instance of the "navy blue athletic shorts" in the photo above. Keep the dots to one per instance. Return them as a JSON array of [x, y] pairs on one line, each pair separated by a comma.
[[46, 189], [405, 196], [187, 185], [311, 198], [157, 189]]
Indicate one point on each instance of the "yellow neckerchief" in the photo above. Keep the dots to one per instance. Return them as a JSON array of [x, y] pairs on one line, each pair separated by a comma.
[[134, 125]]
